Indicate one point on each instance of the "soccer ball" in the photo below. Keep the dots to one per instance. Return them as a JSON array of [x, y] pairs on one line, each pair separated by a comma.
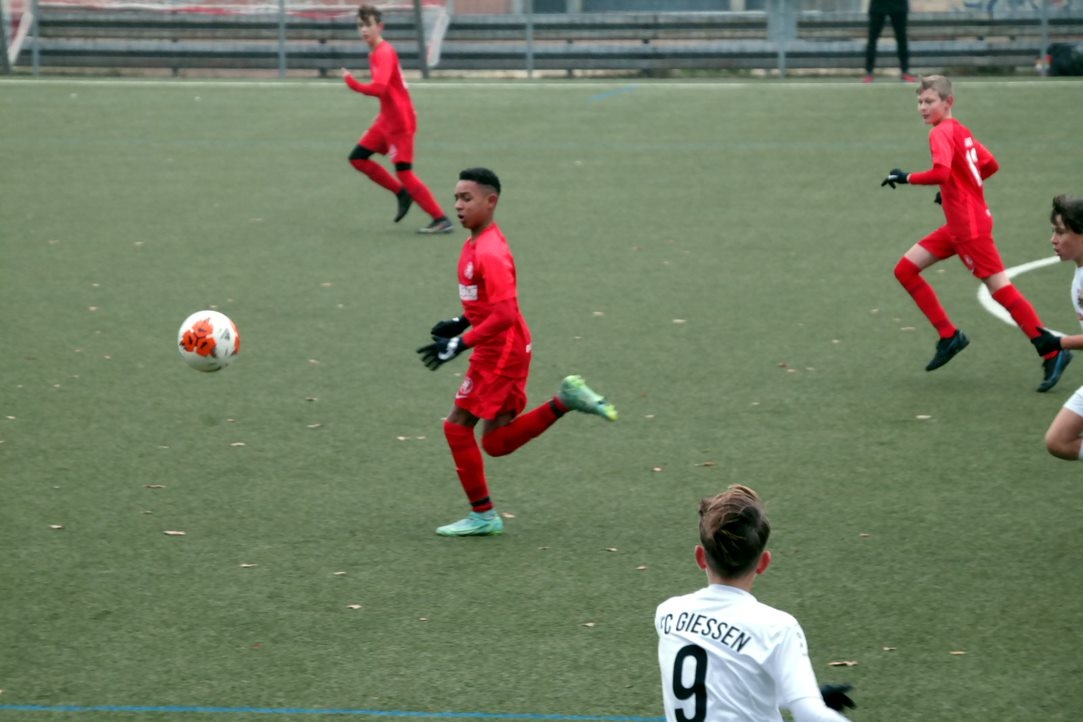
[[208, 340]]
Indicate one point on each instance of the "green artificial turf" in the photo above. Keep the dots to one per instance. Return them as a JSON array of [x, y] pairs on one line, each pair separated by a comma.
[[715, 257]]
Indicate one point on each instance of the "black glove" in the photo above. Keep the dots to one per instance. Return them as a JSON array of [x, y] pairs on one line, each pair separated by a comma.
[[895, 176], [1046, 342], [835, 696], [938, 200], [441, 351], [450, 327]]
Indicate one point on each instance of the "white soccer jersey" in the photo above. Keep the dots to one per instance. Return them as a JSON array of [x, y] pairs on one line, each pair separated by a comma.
[[726, 657], [1075, 401], [1077, 293]]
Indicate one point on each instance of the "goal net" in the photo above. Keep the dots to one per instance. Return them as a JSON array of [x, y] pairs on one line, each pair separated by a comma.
[[399, 16]]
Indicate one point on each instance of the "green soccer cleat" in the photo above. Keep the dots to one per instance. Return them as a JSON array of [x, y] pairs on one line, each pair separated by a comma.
[[474, 524], [576, 395]]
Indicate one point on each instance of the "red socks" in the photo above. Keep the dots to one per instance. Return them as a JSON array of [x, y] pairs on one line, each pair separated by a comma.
[[1022, 312], [909, 275], [420, 193], [501, 441], [377, 173], [506, 439], [1020, 309], [468, 464]]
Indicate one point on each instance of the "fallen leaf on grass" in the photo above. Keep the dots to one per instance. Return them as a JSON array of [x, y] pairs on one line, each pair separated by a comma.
[[507, 515], [339, 574], [641, 568], [56, 526], [957, 653], [589, 624], [889, 649], [353, 606], [843, 663], [248, 566], [174, 532], [611, 549], [153, 486], [238, 443], [707, 463]]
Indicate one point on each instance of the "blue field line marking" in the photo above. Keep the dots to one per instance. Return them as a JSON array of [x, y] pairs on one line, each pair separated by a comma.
[[606, 94], [312, 711]]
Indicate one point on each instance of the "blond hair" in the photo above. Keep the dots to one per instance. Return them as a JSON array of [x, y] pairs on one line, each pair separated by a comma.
[[939, 83]]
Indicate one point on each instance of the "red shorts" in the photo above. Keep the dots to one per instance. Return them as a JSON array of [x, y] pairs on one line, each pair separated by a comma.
[[486, 395], [979, 255], [398, 146]]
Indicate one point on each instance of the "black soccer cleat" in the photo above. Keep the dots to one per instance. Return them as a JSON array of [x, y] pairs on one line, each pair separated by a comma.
[[946, 348], [441, 225], [405, 201], [1052, 368]]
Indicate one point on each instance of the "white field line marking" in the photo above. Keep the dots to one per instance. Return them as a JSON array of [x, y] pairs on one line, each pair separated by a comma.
[[986, 299]]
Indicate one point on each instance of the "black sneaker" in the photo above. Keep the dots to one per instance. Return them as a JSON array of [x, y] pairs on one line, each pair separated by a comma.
[[946, 348], [441, 225], [405, 201], [1052, 368]]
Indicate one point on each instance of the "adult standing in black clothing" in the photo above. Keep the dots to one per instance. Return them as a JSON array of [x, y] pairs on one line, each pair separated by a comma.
[[879, 12]]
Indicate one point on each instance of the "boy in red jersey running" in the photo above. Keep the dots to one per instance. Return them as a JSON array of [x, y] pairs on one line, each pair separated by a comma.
[[392, 132], [494, 387], [960, 165]]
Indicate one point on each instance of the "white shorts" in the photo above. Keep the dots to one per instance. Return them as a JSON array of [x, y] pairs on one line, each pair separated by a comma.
[[1075, 402]]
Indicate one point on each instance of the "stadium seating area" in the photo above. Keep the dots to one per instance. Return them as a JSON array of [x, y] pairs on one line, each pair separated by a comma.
[[71, 36]]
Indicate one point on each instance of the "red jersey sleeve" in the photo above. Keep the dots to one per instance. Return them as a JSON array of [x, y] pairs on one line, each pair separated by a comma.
[[501, 317], [359, 87], [942, 147], [498, 270], [987, 162]]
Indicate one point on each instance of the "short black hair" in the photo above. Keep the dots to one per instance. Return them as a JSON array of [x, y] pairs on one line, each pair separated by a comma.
[[1070, 210], [481, 176], [369, 11]]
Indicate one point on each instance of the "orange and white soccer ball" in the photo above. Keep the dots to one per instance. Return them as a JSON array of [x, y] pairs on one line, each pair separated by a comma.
[[208, 340]]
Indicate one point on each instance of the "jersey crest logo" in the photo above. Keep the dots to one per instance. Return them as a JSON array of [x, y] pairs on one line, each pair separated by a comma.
[[469, 271]]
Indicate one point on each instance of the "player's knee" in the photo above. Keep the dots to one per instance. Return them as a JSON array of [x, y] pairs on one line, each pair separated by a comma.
[[359, 153], [906, 271], [495, 444]]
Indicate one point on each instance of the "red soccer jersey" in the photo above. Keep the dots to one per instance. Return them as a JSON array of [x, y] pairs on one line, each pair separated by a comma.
[[396, 109], [954, 147], [486, 277]]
